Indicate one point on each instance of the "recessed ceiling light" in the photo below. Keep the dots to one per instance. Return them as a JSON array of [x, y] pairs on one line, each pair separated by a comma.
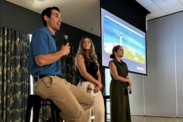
[[157, 1]]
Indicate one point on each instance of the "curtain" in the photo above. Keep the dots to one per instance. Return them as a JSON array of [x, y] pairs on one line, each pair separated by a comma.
[[14, 75], [68, 67]]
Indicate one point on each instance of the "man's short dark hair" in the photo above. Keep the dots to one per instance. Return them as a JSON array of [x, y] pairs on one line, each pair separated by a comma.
[[47, 12]]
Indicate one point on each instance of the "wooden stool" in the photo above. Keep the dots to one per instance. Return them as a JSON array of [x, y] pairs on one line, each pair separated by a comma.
[[35, 101]]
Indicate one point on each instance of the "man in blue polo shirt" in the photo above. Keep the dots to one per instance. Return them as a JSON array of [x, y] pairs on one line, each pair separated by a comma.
[[44, 63]]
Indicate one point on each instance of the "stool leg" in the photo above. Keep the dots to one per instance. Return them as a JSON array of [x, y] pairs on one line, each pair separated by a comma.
[[28, 111], [105, 105], [54, 112], [36, 109]]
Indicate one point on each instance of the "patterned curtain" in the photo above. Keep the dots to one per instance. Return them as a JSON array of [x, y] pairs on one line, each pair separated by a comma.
[[68, 67], [45, 112], [14, 75]]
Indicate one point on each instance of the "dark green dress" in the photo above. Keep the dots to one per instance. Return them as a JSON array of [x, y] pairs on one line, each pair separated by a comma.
[[120, 107]]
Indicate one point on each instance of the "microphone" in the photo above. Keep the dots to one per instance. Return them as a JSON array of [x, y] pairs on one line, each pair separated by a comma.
[[65, 39]]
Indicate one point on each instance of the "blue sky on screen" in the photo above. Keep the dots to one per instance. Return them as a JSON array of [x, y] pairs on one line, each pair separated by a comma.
[[131, 39]]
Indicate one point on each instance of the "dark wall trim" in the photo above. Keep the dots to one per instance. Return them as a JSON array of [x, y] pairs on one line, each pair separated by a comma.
[[24, 20], [128, 10]]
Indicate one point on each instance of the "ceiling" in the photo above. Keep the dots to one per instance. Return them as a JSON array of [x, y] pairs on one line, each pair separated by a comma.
[[160, 8], [85, 14]]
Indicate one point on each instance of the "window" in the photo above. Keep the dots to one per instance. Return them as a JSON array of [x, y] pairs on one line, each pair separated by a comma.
[[31, 78], [107, 87]]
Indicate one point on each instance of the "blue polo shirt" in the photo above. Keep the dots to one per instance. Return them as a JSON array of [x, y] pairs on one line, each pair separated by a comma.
[[42, 43]]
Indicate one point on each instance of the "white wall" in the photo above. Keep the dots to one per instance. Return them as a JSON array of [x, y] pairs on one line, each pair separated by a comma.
[[165, 67], [137, 96], [159, 85], [178, 19]]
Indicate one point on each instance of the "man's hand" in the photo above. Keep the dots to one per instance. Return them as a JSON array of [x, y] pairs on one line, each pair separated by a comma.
[[65, 49]]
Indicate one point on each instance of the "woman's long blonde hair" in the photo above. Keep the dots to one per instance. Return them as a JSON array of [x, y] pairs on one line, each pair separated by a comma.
[[87, 54]]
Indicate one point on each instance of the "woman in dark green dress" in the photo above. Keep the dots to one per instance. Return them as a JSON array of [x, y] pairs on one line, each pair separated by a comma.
[[119, 87]]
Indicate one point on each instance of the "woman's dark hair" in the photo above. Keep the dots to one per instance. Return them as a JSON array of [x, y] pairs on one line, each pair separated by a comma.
[[47, 12], [114, 49]]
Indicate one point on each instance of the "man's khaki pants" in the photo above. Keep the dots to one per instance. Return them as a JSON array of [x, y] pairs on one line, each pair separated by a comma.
[[72, 100]]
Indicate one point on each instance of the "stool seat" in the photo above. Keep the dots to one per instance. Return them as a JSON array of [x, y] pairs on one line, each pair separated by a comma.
[[35, 102]]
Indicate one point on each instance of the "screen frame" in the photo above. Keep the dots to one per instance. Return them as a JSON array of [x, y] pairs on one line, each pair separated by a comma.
[[145, 74]]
